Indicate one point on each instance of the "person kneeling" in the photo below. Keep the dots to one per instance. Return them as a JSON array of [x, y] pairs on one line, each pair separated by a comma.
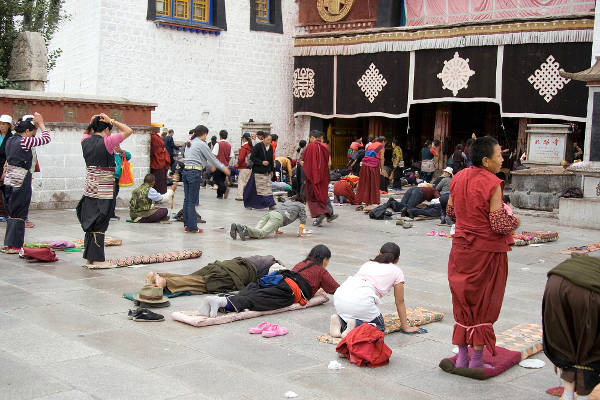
[[285, 214], [357, 298], [141, 207], [281, 289]]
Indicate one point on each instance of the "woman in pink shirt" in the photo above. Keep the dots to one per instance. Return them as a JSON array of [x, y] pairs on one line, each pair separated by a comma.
[[357, 298]]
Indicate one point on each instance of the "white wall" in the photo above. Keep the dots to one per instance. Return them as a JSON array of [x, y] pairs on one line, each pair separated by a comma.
[[219, 81], [62, 177], [76, 71]]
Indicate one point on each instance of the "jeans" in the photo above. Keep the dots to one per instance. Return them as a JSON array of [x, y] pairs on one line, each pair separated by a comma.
[[269, 223], [412, 198], [192, 178], [378, 322]]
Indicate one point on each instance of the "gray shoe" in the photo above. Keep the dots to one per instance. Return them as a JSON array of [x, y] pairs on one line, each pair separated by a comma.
[[233, 231], [319, 220], [241, 229]]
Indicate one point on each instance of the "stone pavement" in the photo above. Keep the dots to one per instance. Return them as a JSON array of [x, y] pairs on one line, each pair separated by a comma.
[[64, 332]]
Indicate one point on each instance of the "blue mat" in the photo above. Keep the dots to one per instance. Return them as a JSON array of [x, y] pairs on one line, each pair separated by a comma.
[[129, 295]]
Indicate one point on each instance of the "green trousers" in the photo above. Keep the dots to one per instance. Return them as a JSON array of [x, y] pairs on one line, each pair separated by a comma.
[[269, 223]]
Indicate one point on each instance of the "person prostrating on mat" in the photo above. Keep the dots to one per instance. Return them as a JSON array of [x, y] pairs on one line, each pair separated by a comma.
[[280, 289], [357, 298]]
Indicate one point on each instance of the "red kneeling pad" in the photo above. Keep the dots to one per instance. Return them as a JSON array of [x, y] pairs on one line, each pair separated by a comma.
[[45, 254], [493, 365]]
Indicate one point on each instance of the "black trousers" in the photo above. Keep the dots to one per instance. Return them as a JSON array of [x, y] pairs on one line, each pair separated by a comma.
[[220, 178], [115, 194], [256, 298], [94, 216], [397, 181], [16, 204], [432, 210], [412, 198], [444, 202]]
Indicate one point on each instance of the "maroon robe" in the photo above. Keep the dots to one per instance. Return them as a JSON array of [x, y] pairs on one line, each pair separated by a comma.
[[316, 169], [478, 264]]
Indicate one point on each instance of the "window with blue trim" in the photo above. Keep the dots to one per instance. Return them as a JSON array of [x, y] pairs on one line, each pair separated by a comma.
[[185, 11], [263, 11]]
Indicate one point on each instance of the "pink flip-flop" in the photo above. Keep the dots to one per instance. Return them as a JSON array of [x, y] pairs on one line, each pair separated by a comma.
[[274, 330], [442, 233], [260, 328], [432, 233]]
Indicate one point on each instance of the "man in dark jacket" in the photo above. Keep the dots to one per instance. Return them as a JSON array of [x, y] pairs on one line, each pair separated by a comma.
[[172, 148]]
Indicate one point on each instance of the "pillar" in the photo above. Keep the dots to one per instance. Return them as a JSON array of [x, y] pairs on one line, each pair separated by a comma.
[[522, 135], [441, 130]]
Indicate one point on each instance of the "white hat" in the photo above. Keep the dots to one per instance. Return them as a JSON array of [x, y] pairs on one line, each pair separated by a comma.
[[6, 118], [449, 170]]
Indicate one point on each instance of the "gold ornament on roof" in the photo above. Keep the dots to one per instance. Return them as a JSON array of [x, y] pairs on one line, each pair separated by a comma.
[[334, 10]]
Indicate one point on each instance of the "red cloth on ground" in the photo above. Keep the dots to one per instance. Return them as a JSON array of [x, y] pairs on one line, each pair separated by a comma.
[[368, 185], [316, 170], [478, 263], [345, 188], [429, 193], [364, 346], [244, 151], [317, 277], [159, 156]]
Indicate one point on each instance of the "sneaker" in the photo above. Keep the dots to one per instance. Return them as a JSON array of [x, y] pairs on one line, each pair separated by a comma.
[[199, 230], [334, 216], [242, 231], [145, 315], [410, 214], [335, 326], [132, 313], [233, 231]]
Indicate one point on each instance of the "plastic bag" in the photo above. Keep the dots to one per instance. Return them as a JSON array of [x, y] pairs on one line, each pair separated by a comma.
[[126, 178]]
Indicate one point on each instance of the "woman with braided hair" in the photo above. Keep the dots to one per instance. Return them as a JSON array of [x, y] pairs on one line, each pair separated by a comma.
[[17, 177], [95, 206]]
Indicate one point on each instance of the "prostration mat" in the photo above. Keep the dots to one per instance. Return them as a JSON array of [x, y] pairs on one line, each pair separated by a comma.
[[512, 346], [194, 318], [416, 317], [154, 258], [129, 295]]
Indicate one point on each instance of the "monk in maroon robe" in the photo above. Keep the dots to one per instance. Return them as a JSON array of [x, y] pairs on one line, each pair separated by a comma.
[[478, 263], [316, 169]]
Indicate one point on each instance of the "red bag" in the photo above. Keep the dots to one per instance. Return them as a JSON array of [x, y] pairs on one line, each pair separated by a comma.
[[126, 178], [42, 254], [364, 346]]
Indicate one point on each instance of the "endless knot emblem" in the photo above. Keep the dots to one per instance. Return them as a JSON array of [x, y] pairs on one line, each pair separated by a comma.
[[304, 83], [334, 10], [371, 83], [455, 74], [546, 79]]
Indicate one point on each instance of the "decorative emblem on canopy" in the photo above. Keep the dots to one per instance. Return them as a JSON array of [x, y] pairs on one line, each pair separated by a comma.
[[372, 82], [455, 74], [334, 10], [547, 80], [304, 83]]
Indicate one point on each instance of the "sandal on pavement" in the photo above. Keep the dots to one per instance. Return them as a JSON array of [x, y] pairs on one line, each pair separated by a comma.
[[260, 328], [275, 330], [432, 233]]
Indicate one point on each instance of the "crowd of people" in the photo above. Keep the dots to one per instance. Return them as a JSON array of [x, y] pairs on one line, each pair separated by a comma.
[[468, 194]]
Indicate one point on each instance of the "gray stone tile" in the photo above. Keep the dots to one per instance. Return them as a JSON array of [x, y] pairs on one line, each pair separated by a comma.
[[67, 395], [19, 380], [39, 346], [106, 378], [137, 347]]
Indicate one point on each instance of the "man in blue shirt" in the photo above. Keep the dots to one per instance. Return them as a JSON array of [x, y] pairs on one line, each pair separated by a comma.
[[172, 148]]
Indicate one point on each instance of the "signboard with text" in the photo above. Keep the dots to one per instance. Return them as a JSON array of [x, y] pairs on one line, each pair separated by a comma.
[[546, 148]]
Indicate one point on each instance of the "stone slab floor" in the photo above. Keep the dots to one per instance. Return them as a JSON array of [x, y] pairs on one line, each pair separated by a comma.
[[64, 332]]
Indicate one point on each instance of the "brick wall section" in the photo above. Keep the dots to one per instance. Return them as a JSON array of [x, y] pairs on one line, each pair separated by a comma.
[[218, 81]]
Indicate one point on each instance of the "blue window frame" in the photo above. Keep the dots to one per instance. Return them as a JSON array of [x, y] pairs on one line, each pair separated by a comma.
[[263, 11], [185, 11]]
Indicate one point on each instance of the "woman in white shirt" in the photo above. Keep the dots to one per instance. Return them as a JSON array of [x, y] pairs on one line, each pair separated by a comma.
[[357, 298]]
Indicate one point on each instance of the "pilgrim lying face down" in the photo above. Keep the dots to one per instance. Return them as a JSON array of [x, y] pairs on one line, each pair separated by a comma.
[[216, 277]]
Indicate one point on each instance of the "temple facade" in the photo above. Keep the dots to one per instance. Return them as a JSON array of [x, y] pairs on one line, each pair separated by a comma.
[[414, 70]]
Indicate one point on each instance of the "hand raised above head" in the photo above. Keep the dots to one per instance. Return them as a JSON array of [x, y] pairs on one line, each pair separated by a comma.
[[38, 119], [104, 118]]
